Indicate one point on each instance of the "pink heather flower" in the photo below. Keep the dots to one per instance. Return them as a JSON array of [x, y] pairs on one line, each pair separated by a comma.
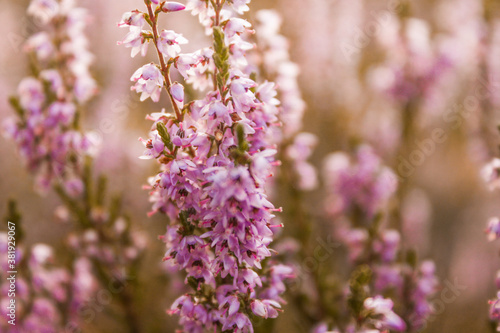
[[243, 97], [44, 10], [236, 26], [198, 6], [259, 309], [84, 283], [366, 183], [41, 254], [53, 77], [382, 316], [84, 88], [238, 322], [493, 229], [495, 308], [199, 76], [184, 62], [229, 304], [135, 40], [31, 94], [240, 6], [426, 286], [429, 63], [44, 131], [74, 187], [169, 43], [215, 157], [388, 245], [388, 277], [491, 174], [171, 6], [133, 18], [60, 113], [322, 328], [148, 81], [46, 136], [204, 11], [276, 61], [362, 187], [299, 152], [48, 288], [177, 91], [41, 44], [182, 137], [355, 239]]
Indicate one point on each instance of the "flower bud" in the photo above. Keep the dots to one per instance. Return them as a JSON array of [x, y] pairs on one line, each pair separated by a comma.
[[258, 308], [177, 91], [171, 6]]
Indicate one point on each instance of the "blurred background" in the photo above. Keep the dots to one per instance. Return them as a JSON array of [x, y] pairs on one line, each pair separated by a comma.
[[385, 72]]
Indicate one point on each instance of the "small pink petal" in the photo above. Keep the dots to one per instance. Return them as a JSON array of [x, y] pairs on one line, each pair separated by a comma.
[[177, 91], [171, 6]]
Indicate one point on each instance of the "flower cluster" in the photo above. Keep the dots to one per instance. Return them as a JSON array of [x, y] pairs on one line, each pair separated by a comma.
[[275, 61], [366, 185], [110, 244], [46, 127], [371, 314], [415, 66], [104, 249], [215, 156], [360, 193], [490, 174], [48, 297]]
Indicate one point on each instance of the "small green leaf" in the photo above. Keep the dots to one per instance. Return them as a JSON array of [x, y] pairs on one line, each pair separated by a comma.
[[165, 137], [14, 102]]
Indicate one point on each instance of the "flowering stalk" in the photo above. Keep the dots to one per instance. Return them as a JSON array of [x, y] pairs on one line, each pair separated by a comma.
[[296, 146], [296, 175], [369, 314], [491, 175], [47, 296], [360, 193], [48, 135], [215, 159], [46, 129]]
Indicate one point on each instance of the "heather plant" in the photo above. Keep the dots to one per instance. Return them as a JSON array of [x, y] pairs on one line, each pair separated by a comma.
[[215, 156], [48, 133], [386, 289], [295, 145], [490, 175], [242, 106], [48, 294]]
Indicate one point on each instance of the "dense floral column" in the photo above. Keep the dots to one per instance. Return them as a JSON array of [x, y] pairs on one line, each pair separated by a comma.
[[215, 154]]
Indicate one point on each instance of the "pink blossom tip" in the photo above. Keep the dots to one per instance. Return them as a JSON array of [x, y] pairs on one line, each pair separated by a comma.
[[171, 6]]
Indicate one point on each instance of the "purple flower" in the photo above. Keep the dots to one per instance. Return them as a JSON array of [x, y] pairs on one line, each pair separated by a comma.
[[171, 6], [169, 43], [236, 26], [493, 229], [148, 82], [364, 184], [133, 18], [491, 174], [44, 130], [136, 41], [215, 157], [381, 314], [44, 10]]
